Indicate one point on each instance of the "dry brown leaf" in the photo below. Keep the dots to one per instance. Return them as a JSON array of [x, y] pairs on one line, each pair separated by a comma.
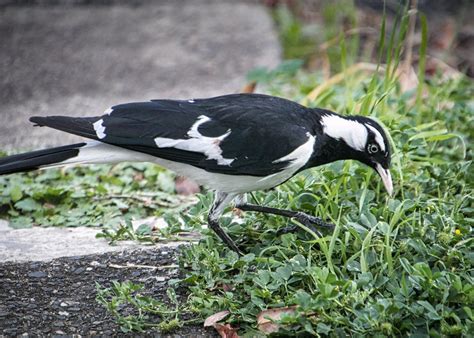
[[186, 186], [407, 78], [216, 317], [223, 286], [265, 318], [226, 331], [237, 212], [249, 87]]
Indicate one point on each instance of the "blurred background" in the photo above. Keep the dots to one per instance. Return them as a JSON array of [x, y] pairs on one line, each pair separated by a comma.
[[310, 29]]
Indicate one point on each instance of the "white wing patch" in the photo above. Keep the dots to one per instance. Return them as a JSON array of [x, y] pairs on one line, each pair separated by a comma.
[[208, 146], [297, 159], [378, 137], [300, 155], [352, 132], [99, 129]]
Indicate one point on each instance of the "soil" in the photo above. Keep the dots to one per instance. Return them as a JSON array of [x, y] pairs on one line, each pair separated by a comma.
[[58, 297]]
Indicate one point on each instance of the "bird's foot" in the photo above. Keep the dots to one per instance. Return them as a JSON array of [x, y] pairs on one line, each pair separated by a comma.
[[311, 222]]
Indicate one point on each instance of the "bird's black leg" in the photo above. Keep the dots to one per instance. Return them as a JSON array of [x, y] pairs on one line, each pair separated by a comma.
[[220, 202], [307, 220]]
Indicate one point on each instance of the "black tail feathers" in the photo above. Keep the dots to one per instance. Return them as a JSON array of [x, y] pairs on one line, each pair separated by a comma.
[[38, 159]]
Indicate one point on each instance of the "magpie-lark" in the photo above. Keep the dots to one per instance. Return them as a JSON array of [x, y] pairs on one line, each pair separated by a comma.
[[233, 144]]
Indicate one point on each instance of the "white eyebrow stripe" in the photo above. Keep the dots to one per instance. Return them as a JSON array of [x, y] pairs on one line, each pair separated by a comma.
[[378, 137], [352, 132], [208, 146]]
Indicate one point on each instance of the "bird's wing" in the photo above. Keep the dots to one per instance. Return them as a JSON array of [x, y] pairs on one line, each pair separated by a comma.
[[239, 134]]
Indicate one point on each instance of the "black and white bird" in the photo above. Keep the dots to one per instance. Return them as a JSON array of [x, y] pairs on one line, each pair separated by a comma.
[[232, 144]]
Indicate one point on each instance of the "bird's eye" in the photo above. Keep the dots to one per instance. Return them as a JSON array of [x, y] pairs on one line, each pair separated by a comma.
[[373, 148]]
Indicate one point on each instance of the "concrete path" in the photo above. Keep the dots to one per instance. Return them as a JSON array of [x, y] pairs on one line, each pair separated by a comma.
[[79, 60], [44, 244]]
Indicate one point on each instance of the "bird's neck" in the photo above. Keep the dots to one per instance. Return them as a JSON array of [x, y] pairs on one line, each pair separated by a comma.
[[330, 150], [337, 138]]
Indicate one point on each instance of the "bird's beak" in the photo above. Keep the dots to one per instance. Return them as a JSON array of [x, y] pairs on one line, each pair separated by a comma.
[[386, 178]]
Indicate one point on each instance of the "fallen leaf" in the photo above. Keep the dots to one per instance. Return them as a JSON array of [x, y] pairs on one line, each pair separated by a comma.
[[226, 331], [249, 87], [237, 212], [266, 318], [186, 186], [216, 317], [223, 286], [407, 78]]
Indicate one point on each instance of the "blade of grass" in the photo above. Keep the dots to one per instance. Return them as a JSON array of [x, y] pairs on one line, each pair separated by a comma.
[[422, 59]]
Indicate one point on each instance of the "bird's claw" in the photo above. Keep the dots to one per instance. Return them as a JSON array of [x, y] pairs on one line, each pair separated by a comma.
[[309, 221]]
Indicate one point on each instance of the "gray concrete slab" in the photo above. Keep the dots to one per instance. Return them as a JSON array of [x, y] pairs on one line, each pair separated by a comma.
[[45, 244], [79, 60]]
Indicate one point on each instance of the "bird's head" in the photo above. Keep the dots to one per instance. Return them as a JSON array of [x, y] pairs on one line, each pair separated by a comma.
[[365, 140]]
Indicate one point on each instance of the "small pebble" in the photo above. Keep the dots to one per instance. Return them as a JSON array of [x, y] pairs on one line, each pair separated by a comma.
[[79, 271], [37, 274]]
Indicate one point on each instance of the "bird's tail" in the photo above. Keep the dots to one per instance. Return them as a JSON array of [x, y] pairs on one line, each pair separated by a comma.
[[45, 158], [79, 153]]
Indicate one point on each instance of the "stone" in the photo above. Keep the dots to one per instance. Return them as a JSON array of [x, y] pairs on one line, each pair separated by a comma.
[[38, 274], [79, 270]]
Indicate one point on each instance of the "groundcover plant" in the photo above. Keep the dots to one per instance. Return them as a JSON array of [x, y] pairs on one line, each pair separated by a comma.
[[392, 266]]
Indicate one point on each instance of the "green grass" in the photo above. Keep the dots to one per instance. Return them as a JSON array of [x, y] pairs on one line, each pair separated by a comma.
[[393, 266]]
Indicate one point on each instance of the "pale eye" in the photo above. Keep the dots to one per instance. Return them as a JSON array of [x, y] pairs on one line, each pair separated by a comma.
[[373, 148]]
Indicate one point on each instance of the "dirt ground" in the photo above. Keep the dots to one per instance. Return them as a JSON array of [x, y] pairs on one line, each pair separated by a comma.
[[58, 297]]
